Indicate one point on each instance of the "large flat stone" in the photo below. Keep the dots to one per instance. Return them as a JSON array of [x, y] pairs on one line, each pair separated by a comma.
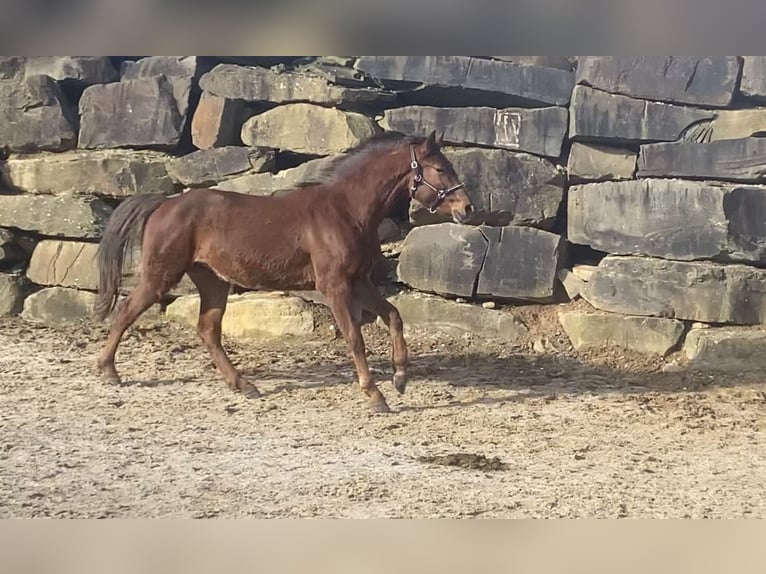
[[726, 349], [59, 306], [735, 160], [217, 121], [728, 125], [693, 291], [753, 82], [140, 113], [522, 263], [255, 84], [593, 162], [602, 117], [505, 187], [75, 217], [80, 70], [670, 218], [36, 116], [308, 129], [252, 316], [530, 85], [682, 79], [643, 334], [208, 167], [430, 314], [539, 131], [116, 173], [11, 294], [283, 181], [444, 259]]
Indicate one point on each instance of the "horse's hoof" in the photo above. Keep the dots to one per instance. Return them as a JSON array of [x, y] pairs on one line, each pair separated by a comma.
[[379, 406], [250, 392], [111, 379], [400, 382]]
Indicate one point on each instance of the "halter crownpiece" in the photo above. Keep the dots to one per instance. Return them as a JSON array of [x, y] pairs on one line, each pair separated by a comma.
[[419, 180]]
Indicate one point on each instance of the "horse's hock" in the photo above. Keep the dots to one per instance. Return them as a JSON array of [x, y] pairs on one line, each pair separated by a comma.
[[637, 181]]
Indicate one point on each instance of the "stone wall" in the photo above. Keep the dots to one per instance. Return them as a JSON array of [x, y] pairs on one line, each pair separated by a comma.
[[635, 183]]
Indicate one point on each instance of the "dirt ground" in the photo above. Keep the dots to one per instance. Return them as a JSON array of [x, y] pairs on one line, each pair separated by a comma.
[[483, 431]]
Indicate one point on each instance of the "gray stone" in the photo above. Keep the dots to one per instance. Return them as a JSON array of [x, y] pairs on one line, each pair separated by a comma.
[[253, 84], [593, 162], [208, 167], [735, 160], [11, 294], [504, 187], [76, 217], [522, 263], [670, 218], [444, 259], [65, 264], [132, 113], [728, 125], [12, 67], [283, 181], [308, 129], [693, 291], [530, 85], [683, 79], [568, 63], [36, 116], [430, 314], [753, 82], [59, 306], [539, 131], [115, 173], [643, 334], [252, 316], [726, 349], [217, 121], [10, 250], [599, 116], [573, 285], [80, 70]]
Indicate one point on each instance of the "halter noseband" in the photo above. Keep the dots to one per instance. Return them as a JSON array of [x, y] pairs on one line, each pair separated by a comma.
[[419, 180]]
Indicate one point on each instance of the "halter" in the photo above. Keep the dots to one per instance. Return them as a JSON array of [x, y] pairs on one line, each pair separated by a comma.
[[419, 180]]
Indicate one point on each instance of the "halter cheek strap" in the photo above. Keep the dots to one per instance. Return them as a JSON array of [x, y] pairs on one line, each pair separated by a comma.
[[419, 180]]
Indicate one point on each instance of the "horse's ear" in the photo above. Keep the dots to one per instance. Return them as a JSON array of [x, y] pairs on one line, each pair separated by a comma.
[[431, 144], [440, 139]]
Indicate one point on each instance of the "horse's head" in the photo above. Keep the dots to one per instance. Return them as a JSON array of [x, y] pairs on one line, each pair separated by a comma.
[[433, 182]]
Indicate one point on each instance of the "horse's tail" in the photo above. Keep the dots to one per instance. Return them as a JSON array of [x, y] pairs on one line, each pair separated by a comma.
[[124, 230]]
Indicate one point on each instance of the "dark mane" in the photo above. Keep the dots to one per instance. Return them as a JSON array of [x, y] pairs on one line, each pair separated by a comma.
[[342, 163]]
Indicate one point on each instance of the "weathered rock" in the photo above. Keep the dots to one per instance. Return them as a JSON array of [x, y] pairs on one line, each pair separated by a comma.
[[308, 129], [643, 334], [539, 131], [568, 63], [36, 116], [753, 82], [280, 182], [593, 162], [80, 70], [10, 250], [728, 125], [78, 217], [693, 291], [253, 84], [504, 187], [116, 173], [734, 160], [12, 67], [573, 285], [132, 113], [529, 85], [599, 116], [432, 314], [59, 306], [11, 294], [727, 349], [444, 259], [217, 121], [670, 218], [522, 263], [682, 79], [252, 316], [207, 167]]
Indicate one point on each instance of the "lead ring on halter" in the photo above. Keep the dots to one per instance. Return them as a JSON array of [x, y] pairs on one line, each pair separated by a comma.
[[420, 180]]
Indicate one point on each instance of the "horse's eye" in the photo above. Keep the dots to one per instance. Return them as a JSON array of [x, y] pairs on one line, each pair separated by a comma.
[[439, 170]]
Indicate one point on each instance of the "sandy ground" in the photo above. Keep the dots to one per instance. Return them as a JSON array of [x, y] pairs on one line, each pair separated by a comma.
[[603, 435]]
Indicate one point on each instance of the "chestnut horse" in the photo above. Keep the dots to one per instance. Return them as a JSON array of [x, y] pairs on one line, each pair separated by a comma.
[[321, 235]]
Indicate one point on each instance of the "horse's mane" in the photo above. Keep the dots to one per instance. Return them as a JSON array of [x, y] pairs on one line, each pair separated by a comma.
[[345, 162]]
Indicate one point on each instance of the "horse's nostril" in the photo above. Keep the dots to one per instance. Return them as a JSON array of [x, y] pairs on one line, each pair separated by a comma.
[[468, 209]]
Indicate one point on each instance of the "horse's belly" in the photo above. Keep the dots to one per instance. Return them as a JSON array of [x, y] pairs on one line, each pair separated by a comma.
[[267, 275]]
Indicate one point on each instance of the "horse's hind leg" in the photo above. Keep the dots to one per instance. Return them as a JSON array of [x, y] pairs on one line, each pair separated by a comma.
[[214, 293]]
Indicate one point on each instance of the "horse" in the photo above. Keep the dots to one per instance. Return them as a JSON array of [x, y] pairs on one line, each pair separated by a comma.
[[320, 235]]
